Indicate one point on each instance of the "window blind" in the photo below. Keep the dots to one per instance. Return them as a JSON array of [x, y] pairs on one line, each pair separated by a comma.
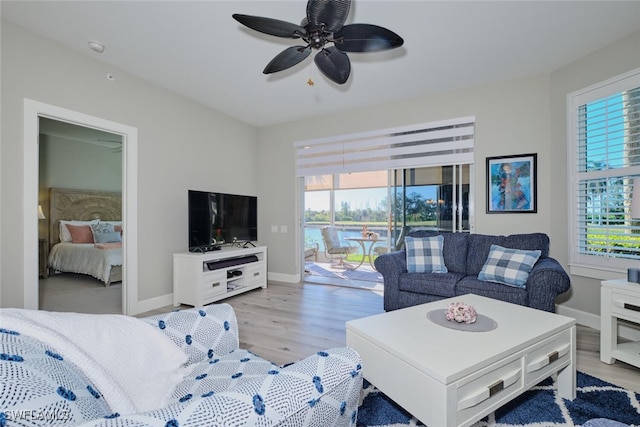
[[607, 161], [448, 142]]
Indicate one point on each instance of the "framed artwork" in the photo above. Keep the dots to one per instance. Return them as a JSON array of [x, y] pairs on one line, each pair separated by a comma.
[[512, 184]]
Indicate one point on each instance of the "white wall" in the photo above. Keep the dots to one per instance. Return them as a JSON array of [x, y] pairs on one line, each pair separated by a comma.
[[65, 163], [181, 145], [71, 164]]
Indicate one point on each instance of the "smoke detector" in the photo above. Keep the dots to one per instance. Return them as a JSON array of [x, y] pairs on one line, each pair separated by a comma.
[[96, 46]]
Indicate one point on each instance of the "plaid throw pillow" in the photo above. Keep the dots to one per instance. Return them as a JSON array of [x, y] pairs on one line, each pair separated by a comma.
[[508, 266], [424, 254]]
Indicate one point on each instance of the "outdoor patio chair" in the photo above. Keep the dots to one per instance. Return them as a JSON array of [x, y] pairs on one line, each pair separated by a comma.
[[379, 249], [311, 251], [334, 248]]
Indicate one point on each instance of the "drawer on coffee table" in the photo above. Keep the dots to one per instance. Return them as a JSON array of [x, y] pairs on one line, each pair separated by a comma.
[[488, 387], [547, 357]]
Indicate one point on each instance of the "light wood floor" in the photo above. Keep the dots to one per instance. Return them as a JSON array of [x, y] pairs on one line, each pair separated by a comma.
[[287, 322]]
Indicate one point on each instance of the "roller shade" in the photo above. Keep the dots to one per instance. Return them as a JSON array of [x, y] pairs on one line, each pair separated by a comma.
[[448, 142]]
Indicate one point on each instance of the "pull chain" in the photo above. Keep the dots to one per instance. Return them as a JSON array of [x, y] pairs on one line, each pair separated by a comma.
[[310, 82]]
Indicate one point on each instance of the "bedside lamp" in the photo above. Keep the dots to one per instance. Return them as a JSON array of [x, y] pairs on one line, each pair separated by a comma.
[[41, 212], [633, 274]]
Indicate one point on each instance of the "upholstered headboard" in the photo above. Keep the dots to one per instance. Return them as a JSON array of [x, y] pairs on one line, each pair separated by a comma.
[[66, 204]]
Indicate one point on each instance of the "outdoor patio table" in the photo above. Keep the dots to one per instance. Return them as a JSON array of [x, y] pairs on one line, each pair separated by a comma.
[[367, 245]]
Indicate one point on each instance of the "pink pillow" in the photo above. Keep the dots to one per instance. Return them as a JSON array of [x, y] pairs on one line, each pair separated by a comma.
[[80, 233], [118, 228]]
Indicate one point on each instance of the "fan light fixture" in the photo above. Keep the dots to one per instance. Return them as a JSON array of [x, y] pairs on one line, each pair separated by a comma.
[[323, 24]]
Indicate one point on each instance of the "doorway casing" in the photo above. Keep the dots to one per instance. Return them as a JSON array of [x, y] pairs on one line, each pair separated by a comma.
[[33, 110]]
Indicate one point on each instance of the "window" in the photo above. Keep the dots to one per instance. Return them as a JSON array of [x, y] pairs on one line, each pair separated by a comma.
[[605, 163]]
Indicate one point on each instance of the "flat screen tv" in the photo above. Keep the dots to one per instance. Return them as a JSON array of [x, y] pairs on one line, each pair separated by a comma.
[[216, 218]]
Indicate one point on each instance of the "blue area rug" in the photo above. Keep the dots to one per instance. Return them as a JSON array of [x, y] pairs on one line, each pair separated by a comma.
[[538, 407]]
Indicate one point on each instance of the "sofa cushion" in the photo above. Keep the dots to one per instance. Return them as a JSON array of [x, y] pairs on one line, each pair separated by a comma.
[[454, 248], [471, 285], [430, 283], [508, 266], [424, 254], [480, 245]]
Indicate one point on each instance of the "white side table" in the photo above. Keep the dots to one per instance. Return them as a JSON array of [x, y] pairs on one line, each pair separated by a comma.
[[619, 299]]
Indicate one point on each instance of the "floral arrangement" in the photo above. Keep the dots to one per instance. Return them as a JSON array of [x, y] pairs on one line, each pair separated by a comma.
[[366, 233], [461, 312]]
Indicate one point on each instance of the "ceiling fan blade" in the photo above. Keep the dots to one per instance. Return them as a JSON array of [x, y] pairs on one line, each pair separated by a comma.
[[366, 38], [273, 27], [333, 64], [331, 13], [287, 58]]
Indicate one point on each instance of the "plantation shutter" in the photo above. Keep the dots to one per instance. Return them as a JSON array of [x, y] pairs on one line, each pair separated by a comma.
[[607, 162], [448, 142]]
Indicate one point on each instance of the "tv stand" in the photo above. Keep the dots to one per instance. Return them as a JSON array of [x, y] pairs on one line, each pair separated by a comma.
[[203, 278], [244, 245]]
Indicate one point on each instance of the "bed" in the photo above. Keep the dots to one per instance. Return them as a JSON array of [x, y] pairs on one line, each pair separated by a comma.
[[79, 208]]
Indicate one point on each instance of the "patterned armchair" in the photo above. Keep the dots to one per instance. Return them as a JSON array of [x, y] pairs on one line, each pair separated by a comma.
[[226, 386]]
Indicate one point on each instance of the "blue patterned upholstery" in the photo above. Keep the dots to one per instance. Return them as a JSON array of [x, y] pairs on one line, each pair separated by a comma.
[[464, 256], [38, 384], [200, 333], [226, 386]]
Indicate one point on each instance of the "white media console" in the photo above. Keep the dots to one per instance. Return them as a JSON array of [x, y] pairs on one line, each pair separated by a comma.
[[203, 278]]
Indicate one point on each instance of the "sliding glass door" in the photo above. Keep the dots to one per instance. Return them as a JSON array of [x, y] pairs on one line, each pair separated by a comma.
[[385, 203]]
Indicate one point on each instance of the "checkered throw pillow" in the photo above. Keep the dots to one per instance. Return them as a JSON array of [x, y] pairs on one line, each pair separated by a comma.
[[508, 266], [424, 254]]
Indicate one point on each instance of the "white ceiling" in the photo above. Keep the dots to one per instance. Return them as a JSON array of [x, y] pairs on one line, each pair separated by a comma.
[[196, 49]]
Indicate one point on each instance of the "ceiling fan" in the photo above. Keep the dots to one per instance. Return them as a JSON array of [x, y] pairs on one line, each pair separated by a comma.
[[323, 24]]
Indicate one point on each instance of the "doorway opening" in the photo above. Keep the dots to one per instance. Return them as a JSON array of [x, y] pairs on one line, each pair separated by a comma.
[[80, 197], [33, 111]]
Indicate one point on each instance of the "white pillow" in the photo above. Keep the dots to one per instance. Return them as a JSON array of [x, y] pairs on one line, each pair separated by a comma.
[[65, 234]]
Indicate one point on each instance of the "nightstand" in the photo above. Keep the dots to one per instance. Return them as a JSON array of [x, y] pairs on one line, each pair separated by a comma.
[[619, 299], [43, 257]]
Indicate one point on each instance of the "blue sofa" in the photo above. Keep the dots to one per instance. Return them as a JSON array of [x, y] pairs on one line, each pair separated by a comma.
[[224, 386], [464, 256]]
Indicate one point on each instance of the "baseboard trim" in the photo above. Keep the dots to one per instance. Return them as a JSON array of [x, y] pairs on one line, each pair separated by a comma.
[[151, 304], [165, 300], [286, 278], [593, 321]]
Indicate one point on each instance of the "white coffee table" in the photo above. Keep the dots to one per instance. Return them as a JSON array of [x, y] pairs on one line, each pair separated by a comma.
[[445, 377]]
